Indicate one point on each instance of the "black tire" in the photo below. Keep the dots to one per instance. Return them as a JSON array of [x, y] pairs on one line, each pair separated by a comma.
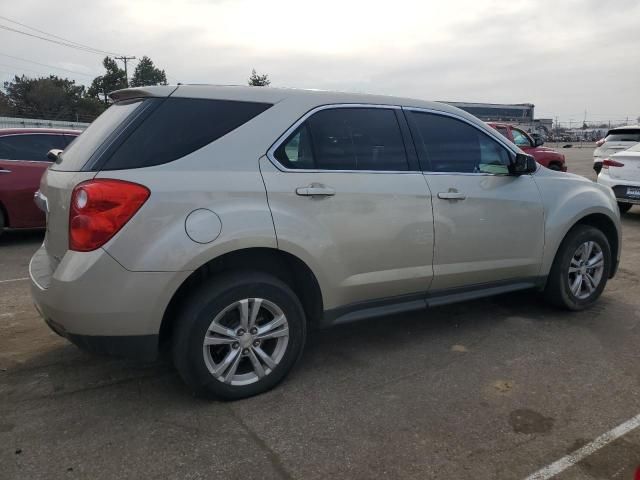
[[555, 167], [624, 207], [597, 167], [2, 222], [209, 300], [557, 290]]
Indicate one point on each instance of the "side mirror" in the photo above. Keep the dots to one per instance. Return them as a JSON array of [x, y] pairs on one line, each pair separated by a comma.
[[54, 154], [523, 164], [537, 142]]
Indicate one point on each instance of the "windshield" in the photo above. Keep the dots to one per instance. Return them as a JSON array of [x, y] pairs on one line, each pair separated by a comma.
[[80, 150], [626, 135]]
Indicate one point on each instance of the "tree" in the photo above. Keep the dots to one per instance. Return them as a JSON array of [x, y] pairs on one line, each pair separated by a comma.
[[51, 98], [113, 79], [5, 106], [147, 74], [256, 80]]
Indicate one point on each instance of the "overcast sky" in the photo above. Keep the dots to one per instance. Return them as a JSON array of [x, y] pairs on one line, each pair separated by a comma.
[[565, 56]]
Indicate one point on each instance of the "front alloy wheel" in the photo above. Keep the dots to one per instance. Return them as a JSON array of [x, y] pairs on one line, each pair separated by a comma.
[[585, 270]]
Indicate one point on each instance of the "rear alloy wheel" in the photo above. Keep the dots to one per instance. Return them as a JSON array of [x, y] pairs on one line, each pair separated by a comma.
[[624, 207], [238, 335], [580, 270]]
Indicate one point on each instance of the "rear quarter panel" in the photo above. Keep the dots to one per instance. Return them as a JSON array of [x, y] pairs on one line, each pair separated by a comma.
[[567, 199]]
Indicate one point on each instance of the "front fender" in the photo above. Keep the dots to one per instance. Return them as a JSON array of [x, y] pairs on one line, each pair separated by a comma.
[[567, 200]]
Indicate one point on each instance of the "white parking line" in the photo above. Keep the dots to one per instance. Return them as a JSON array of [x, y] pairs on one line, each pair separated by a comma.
[[14, 280], [557, 467]]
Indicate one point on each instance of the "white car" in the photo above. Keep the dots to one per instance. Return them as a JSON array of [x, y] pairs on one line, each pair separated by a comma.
[[621, 172], [617, 140]]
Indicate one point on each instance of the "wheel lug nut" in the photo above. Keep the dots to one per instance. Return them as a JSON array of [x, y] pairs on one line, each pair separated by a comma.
[[240, 332], [256, 343], [235, 345], [253, 331], [245, 351]]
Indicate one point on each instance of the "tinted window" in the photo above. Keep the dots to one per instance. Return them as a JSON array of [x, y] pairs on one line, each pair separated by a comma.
[[346, 139], [503, 131], [178, 127], [520, 138], [81, 149], [450, 145], [626, 135], [29, 146]]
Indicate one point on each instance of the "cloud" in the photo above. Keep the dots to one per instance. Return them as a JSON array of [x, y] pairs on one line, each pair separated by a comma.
[[564, 57]]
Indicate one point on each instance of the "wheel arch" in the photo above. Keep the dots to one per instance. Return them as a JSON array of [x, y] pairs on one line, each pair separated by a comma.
[[283, 265]]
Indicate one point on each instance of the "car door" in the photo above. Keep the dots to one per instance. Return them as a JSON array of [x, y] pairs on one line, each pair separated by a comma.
[[348, 200], [23, 160], [488, 224]]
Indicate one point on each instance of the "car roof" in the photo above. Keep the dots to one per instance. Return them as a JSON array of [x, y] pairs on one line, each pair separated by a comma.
[[18, 131], [626, 127], [276, 95]]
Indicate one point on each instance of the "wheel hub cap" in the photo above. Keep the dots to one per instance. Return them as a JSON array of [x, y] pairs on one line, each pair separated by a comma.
[[586, 269]]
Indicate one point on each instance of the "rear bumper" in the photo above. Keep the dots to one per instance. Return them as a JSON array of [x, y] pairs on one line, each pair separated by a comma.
[[619, 187], [90, 299]]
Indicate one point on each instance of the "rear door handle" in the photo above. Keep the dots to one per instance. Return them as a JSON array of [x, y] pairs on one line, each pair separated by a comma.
[[4, 170], [452, 196], [315, 190]]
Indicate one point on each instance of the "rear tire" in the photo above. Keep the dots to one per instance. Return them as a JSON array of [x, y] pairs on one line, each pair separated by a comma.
[[624, 207], [224, 365], [555, 167], [2, 222], [597, 167], [580, 269]]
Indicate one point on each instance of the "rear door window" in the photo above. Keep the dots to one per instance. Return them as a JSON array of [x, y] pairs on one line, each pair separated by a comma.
[[30, 146], [179, 126], [346, 139]]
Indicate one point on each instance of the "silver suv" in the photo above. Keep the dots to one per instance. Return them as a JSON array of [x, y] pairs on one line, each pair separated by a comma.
[[225, 222]]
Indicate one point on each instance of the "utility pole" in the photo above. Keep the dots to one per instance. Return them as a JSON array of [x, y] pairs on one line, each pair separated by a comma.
[[125, 59]]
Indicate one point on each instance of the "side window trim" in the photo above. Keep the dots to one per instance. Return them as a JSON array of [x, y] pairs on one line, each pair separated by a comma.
[[426, 164], [283, 138]]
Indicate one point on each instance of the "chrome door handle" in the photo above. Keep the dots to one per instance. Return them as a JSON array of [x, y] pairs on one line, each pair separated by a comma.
[[315, 190], [4, 170], [452, 196]]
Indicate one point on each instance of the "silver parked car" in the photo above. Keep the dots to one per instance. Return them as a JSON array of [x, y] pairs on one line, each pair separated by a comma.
[[225, 222]]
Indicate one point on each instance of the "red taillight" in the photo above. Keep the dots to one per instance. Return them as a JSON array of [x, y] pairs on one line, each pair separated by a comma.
[[99, 209], [607, 162], [600, 142]]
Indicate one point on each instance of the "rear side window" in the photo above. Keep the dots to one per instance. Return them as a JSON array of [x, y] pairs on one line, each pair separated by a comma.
[[346, 139], [179, 126], [450, 145], [626, 135], [30, 146]]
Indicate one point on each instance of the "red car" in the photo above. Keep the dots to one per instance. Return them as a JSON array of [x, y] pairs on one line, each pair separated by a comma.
[[543, 155], [23, 160]]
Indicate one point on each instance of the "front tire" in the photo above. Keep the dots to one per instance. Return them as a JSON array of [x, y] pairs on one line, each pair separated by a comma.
[[580, 269], [238, 335], [624, 207]]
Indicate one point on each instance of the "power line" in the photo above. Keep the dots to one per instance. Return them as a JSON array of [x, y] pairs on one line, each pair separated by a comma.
[[66, 43], [45, 65], [56, 36]]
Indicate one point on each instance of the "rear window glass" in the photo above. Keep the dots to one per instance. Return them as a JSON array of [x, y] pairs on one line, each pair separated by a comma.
[[178, 127], [627, 135], [80, 150]]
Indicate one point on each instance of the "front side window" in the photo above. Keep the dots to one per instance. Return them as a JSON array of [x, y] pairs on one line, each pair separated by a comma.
[[520, 138], [30, 146], [446, 144], [346, 139]]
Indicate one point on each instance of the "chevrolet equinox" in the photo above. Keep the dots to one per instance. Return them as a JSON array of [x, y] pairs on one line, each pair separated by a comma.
[[225, 222]]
